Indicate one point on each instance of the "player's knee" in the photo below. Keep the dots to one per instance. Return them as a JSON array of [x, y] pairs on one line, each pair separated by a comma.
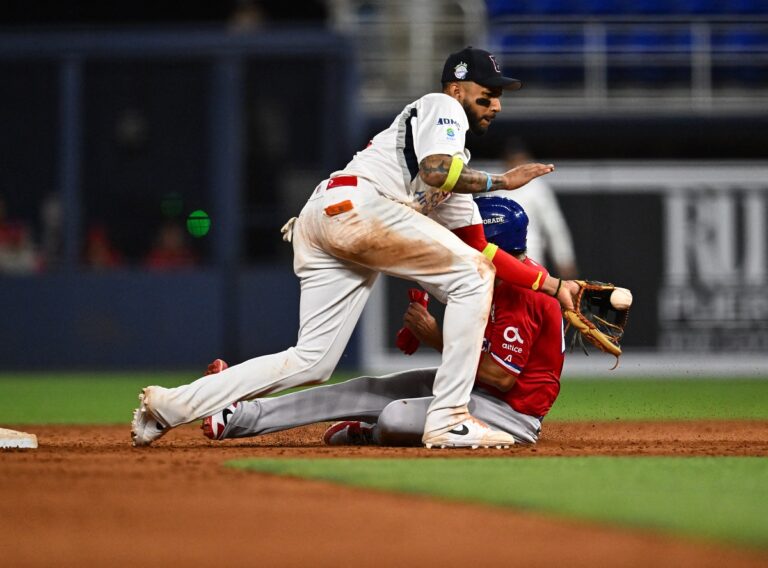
[[322, 370], [318, 365], [400, 424]]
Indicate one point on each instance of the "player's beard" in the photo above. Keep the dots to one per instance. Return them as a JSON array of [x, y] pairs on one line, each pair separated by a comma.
[[474, 121]]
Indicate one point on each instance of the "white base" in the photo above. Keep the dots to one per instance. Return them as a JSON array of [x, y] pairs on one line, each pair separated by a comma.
[[14, 439]]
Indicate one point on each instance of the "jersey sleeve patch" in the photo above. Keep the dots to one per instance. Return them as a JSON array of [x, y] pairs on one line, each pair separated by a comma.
[[442, 127], [450, 127], [507, 363]]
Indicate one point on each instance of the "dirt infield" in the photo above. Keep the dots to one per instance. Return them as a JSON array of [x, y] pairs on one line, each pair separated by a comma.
[[86, 498]]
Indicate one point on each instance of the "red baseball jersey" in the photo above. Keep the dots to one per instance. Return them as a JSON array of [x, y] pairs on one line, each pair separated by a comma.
[[525, 337]]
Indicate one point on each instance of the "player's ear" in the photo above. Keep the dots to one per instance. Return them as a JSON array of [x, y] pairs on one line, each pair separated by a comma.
[[453, 89]]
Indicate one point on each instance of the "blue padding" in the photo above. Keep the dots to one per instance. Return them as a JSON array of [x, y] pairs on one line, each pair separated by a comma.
[[644, 39], [501, 8], [703, 7], [604, 7], [556, 41], [553, 7], [740, 39], [497, 8], [136, 319], [747, 6], [543, 40], [653, 7]]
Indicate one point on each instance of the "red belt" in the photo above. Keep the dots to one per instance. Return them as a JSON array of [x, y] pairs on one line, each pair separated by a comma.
[[342, 181]]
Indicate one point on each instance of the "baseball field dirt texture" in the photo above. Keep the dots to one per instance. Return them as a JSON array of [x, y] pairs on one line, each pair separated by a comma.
[[627, 473]]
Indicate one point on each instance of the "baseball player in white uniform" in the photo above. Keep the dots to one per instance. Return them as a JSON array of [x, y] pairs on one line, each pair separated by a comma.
[[403, 207]]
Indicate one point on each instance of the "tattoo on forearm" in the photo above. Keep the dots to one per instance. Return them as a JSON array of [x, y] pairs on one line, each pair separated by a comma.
[[434, 170], [434, 166]]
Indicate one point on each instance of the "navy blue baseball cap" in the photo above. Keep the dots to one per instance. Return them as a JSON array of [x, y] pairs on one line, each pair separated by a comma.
[[478, 65]]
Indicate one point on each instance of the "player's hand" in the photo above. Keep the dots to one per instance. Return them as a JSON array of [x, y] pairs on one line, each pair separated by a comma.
[[567, 294], [519, 176], [423, 325], [405, 340]]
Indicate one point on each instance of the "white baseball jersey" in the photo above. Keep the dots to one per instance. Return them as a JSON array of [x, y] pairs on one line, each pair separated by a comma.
[[434, 124]]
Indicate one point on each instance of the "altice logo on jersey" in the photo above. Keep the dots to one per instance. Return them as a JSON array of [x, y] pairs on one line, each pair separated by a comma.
[[512, 334]]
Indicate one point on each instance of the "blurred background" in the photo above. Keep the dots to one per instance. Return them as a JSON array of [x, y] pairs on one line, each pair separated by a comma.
[[120, 119]]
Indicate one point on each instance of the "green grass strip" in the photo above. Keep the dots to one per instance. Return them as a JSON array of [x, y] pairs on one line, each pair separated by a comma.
[[716, 498], [662, 399], [80, 398], [106, 398], [75, 398]]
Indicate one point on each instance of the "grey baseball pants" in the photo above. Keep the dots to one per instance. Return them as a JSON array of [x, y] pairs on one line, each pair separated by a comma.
[[396, 403]]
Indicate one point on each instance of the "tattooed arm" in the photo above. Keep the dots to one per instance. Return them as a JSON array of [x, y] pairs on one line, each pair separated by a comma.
[[433, 170]]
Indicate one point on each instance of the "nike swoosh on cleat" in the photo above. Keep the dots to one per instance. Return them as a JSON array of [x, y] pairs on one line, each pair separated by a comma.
[[225, 415], [463, 431]]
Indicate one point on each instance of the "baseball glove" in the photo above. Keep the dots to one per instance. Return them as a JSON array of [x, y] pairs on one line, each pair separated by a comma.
[[596, 319]]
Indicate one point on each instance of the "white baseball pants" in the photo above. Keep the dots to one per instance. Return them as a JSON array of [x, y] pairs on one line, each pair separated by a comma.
[[338, 253]]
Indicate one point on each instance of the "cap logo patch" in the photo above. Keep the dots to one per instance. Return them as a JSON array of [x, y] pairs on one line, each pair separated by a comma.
[[495, 65], [460, 71]]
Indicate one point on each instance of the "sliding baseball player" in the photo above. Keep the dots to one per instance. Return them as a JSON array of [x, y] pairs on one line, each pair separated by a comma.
[[402, 207], [517, 380]]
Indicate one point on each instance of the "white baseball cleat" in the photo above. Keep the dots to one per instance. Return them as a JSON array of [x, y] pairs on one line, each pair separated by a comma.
[[470, 433], [214, 425], [145, 426]]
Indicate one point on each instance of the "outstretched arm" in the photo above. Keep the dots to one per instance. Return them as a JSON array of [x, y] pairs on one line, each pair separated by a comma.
[[442, 170], [514, 272]]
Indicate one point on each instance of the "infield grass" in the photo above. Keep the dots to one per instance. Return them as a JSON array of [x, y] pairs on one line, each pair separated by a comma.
[[662, 399], [107, 398], [720, 498]]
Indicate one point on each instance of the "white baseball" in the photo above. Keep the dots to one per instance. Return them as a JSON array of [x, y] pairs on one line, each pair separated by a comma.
[[621, 298]]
